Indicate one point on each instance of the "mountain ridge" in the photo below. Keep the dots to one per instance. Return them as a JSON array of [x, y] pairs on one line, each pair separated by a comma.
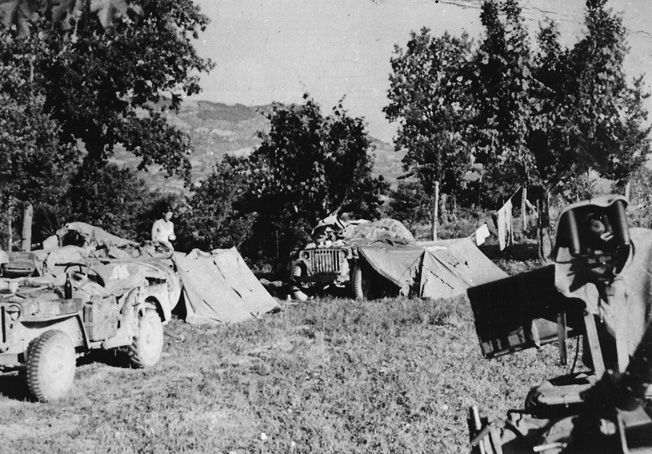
[[217, 129]]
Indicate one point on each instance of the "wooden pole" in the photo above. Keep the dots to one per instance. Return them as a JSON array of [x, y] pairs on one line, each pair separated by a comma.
[[435, 212]]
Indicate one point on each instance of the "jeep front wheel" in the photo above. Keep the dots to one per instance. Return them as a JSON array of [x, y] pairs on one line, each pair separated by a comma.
[[147, 347], [51, 363], [362, 283]]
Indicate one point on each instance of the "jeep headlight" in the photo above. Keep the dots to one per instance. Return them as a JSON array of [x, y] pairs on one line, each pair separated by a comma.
[[13, 312], [305, 255]]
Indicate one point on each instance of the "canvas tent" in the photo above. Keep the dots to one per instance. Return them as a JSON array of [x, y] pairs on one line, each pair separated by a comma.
[[219, 287], [432, 269], [438, 269]]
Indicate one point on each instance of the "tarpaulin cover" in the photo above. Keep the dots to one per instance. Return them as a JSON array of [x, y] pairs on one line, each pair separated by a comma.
[[95, 235], [438, 269], [219, 287]]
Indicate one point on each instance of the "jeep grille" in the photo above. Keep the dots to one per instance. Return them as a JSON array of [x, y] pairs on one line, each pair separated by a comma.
[[325, 261]]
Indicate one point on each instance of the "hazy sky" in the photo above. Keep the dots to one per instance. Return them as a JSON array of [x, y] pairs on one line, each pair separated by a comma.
[[276, 50]]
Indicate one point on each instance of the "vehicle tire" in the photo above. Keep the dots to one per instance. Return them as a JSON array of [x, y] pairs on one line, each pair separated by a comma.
[[362, 283], [147, 347], [296, 274], [51, 363]]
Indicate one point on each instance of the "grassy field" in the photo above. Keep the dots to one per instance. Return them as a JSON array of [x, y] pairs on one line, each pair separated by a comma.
[[326, 376]]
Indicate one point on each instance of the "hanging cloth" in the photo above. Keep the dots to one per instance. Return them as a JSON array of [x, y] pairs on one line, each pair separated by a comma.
[[505, 230]]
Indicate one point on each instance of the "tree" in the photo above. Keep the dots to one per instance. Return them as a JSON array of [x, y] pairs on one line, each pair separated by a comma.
[[589, 118], [640, 208], [110, 197], [21, 15], [410, 203], [429, 99], [103, 79], [557, 113], [307, 167], [106, 88], [216, 215], [35, 163], [592, 119], [507, 110], [96, 73], [535, 118]]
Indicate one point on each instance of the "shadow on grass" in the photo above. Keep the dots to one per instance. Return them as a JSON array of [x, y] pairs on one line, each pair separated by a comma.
[[113, 357], [521, 252], [14, 387]]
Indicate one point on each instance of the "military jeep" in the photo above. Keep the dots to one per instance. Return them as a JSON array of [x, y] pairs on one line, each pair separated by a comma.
[[334, 258], [47, 322], [330, 266]]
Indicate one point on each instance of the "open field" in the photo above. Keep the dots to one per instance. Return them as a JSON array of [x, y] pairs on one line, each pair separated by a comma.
[[326, 376]]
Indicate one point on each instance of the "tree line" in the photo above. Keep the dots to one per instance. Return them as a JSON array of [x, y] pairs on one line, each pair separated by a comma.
[[511, 110], [517, 111]]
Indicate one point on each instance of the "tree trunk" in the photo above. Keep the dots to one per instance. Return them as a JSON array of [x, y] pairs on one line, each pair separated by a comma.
[[443, 210], [435, 212], [543, 227], [28, 215], [10, 227], [524, 207], [452, 212]]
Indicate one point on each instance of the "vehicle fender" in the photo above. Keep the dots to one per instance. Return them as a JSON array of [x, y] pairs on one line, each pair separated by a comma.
[[72, 325]]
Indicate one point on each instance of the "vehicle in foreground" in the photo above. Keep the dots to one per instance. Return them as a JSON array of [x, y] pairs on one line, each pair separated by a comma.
[[599, 287], [47, 322]]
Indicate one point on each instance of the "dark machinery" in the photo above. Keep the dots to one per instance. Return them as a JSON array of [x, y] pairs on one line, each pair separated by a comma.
[[600, 287]]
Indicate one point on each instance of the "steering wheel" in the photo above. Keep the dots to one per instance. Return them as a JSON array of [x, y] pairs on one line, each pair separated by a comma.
[[85, 271]]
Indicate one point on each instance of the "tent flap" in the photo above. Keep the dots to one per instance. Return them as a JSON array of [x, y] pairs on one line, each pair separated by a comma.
[[399, 265], [219, 287]]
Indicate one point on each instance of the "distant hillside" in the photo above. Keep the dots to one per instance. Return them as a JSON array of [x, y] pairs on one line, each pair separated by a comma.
[[218, 129]]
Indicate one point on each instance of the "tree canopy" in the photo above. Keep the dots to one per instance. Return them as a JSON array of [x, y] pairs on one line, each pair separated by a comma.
[[106, 89], [529, 114], [34, 161], [216, 214], [307, 167], [113, 88], [82, 77], [429, 98]]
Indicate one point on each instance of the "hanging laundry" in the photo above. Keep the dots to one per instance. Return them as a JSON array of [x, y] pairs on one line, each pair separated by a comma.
[[481, 234], [505, 229]]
